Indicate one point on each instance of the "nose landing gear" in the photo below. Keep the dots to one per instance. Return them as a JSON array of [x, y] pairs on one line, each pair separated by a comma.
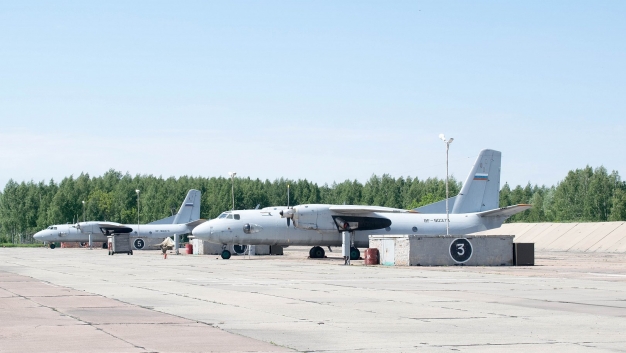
[[225, 253]]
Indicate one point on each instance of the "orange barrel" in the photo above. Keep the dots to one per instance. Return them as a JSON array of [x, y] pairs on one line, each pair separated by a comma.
[[371, 256], [189, 248]]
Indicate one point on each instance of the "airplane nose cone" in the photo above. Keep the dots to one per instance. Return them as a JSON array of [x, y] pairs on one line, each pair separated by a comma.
[[38, 236], [206, 231], [201, 230]]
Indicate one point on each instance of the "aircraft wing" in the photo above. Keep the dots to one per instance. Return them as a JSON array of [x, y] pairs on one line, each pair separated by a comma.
[[505, 211], [352, 209], [114, 227]]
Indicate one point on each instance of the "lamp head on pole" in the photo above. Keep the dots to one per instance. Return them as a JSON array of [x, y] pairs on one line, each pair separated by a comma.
[[232, 174], [443, 138], [137, 191]]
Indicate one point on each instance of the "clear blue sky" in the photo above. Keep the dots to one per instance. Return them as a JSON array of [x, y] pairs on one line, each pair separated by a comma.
[[323, 90]]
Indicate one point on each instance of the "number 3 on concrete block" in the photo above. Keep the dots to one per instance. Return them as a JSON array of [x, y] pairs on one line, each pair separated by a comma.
[[460, 250]]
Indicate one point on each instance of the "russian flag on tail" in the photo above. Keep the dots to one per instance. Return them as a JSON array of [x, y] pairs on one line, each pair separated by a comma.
[[480, 176]]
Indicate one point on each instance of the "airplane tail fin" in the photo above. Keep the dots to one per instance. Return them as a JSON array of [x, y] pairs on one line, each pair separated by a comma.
[[481, 190], [190, 209]]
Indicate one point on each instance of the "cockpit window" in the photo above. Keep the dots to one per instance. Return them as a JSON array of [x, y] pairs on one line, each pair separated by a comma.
[[230, 216], [223, 215], [236, 216], [54, 228]]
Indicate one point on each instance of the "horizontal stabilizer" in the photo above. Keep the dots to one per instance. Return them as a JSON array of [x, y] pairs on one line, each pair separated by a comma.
[[195, 223], [352, 209], [505, 212]]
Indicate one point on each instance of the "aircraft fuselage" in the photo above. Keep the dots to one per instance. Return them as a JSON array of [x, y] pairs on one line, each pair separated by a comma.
[[318, 227], [69, 232]]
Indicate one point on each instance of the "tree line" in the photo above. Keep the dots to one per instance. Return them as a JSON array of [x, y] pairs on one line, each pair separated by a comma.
[[584, 195]]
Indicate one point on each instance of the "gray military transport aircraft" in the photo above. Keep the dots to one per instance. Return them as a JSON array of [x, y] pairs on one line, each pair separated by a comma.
[[475, 208], [187, 218]]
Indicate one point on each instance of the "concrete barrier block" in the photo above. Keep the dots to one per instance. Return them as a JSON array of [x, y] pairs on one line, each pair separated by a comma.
[[201, 247], [471, 250]]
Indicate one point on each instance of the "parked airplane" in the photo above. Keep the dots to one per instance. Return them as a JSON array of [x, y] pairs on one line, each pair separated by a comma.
[[187, 218], [474, 209]]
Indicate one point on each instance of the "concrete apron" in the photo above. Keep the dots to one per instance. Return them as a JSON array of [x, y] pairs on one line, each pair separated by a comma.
[[37, 316]]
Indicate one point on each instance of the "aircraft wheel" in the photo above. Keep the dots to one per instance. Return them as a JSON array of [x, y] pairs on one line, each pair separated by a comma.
[[131, 252], [355, 254], [53, 245], [317, 252], [105, 246], [225, 254]]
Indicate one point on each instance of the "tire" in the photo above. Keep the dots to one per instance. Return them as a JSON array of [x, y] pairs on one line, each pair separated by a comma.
[[53, 245], [105, 246], [131, 252], [226, 254], [318, 252], [355, 254]]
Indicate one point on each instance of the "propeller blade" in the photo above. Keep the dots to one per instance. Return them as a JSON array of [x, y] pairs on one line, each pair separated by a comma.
[[288, 222]]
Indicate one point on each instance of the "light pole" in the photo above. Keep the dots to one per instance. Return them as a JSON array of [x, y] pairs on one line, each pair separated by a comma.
[[137, 191], [83, 210], [232, 179], [447, 142]]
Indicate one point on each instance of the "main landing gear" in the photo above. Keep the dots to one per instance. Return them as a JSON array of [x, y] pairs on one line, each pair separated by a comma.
[[355, 254], [317, 252]]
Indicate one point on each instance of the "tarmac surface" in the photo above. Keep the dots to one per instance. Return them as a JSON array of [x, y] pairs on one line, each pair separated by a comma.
[[79, 300]]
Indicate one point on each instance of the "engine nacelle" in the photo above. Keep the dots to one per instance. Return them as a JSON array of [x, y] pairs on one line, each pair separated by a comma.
[[87, 227], [315, 217]]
